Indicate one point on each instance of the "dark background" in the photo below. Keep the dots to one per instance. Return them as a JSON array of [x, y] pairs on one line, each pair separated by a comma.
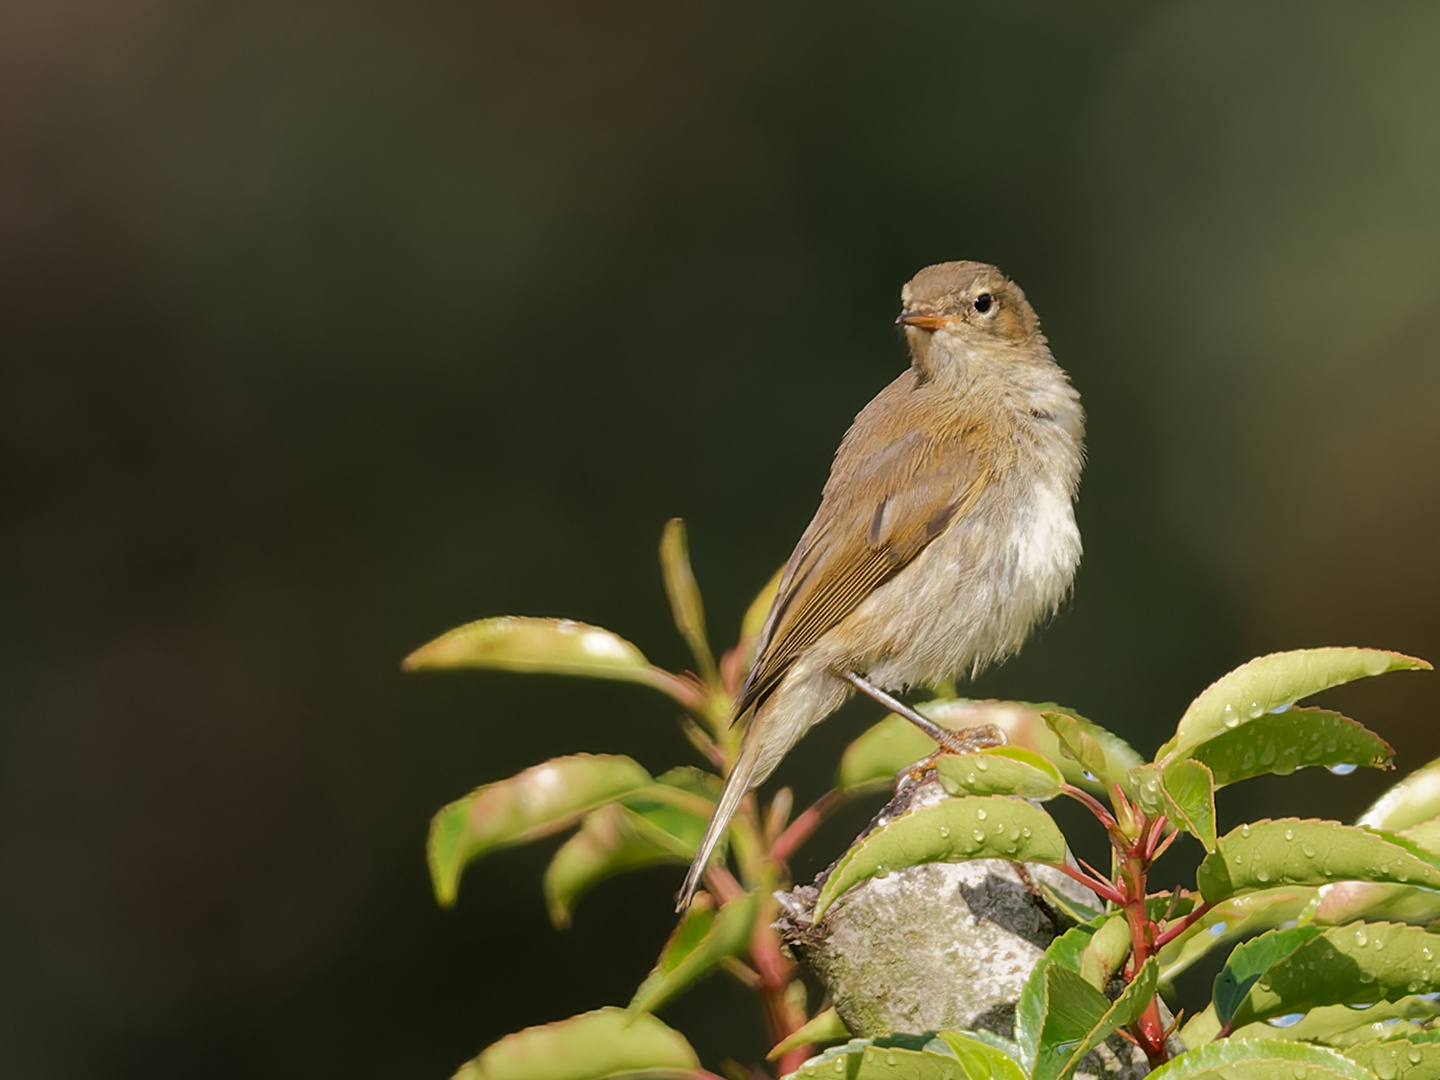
[[325, 327]]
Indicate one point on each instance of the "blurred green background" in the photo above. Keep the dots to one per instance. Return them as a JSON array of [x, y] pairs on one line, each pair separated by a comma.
[[325, 327]]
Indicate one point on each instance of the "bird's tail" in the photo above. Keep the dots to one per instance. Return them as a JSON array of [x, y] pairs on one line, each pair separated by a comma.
[[736, 785]]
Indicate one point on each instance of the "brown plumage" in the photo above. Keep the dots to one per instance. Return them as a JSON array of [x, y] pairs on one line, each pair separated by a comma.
[[945, 531]]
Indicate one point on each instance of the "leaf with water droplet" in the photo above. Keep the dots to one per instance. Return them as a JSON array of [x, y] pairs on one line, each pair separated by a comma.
[[1261, 1059], [1249, 962], [1007, 770], [1274, 680], [914, 838], [1316, 853], [1341, 966], [1252, 749]]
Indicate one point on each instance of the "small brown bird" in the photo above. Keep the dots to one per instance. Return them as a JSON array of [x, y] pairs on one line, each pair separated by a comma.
[[945, 532]]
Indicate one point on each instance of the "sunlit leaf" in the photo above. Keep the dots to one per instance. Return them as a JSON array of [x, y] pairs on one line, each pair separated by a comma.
[[1283, 742], [684, 594], [1261, 1059], [1189, 793], [1107, 950], [1411, 801], [1291, 851], [539, 801], [824, 1027], [759, 609], [699, 943], [1346, 901], [1232, 920], [1426, 834], [1073, 1008], [591, 1046], [1000, 770], [1079, 745], [1356, 965], [1274, 683], [896, 1057], [892, 744], [952, 830], [1411, 1058], [546, 646], [1341, 1026], [981, 1060], [1250, 961]]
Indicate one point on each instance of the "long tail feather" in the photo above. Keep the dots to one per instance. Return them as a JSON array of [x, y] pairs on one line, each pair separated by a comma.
[[736, 785]]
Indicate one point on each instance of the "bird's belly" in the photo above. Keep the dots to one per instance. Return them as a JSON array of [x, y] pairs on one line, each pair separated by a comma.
[[975, 593]]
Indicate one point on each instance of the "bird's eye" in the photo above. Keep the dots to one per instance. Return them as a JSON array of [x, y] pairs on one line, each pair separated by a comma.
[[984, 302]]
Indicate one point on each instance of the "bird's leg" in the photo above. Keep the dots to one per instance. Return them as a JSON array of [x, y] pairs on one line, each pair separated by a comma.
[[954, 742]]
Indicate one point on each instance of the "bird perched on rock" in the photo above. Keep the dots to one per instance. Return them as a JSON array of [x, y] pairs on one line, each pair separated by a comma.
[[945, 533]]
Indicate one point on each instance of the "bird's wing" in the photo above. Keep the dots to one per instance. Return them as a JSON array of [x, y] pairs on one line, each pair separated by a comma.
[[896, 498]]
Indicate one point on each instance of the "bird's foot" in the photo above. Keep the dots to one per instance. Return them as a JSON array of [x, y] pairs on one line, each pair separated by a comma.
[[950, 742]]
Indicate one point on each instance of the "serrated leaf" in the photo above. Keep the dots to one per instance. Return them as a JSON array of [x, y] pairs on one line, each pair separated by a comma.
[[546, 646], [1341, 1026], [1280, 743], [1347, 901], [701, 941], [684, 595], [1124, 1011], [1411, 801], [537, 802], [1188, 791], [1079, 745], [894, 743], [611, 840], [1292, 851], [1276, 682], [1000, 770], [1359, 964], [1426, 834], [1073, 1008], [823, 1027], [1068, 951], [1250, 961], [981, 1060], [952, 830], [592, 1046], [864, 1060], [1260, 1059], [1399, 1059]]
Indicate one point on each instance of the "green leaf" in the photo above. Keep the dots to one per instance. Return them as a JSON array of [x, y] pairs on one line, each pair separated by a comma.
[[1426, 834], [1280, 743], [591, 1046], [1411, 801], [539, 801], [1067, 951], [981, 1060], [684, 594], [1235, 919], [1295, 852], [864, 1059], [1347, 901], [1079, 745], [894, 743], [546, 646], [1250, 961], [952, 830], [1123, 1012], [1073, 1008], [1107, 950], [611, 840], [1356, 965], [702, 940], [1188, 790], [1260, 1059], [1001, 770], [1274, 683], [759, 610], [824, 1027], [1415, 1058], [1341, 1026]]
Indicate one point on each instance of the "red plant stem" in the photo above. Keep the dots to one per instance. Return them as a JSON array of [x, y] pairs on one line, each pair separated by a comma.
[[804, 824], [1152, 839], [782, 1016], [1149, 1031], [1095, 806], [721, 884], [1097, 885], [1182, 924]]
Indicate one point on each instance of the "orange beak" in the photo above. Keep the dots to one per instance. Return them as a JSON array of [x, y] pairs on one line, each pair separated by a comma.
[[925, 320]]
